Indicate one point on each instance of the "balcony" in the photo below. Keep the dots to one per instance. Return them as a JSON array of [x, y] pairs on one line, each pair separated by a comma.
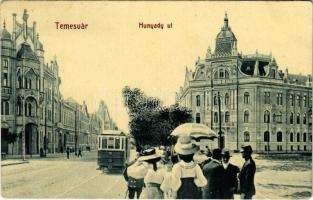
[[6, 91]]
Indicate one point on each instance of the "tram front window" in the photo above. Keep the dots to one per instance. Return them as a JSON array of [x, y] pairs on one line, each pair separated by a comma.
[[117, 143], [111, 143]]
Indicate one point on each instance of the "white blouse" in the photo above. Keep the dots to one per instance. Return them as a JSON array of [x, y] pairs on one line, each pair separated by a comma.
[[187, 170], [154, 176]]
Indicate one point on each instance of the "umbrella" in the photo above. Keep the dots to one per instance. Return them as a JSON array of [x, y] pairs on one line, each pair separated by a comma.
[[194, 130]]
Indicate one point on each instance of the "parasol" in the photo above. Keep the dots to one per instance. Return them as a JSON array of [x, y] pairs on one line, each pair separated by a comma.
[[194, 130]]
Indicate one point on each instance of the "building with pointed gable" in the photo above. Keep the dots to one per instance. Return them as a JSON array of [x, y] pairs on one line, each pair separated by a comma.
[[32, 106], [260, 105]]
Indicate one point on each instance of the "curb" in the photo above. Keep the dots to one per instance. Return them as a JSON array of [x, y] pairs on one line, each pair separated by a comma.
[[14, 163]]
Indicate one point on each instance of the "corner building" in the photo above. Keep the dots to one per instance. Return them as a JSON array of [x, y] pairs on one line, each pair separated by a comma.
[[260, 105], [32, 107]]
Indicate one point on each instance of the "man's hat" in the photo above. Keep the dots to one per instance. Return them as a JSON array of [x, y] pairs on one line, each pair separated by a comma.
[[246, 148], [184, 146], [226, 153], [217, 153], [148, 154]]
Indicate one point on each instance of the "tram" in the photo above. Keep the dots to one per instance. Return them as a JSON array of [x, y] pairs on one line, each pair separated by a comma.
[[113, 149]]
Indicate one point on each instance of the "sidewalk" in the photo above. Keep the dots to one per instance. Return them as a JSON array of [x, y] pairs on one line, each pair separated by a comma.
[[16, 159]]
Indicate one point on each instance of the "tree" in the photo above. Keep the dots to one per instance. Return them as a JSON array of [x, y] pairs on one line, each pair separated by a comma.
[[150, 122], [10, 138]]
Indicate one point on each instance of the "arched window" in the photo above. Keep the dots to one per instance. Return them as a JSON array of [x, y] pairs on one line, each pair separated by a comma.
[[215, 117], [29, 109], [19, 82], [227, 117], [304, 118], [25, 109], [246, 136], [267, 117], [5, 79], [221, 73], [198, 119], [246, 117], [291, 118], [279, 136], [304, 137], [304, 101], [198, 100], [266, 136], [298, 118], [226, 74], [291, 137], [226, 99], [215, 100], [292, 103], [246, 98], [7, 108], [298, 137], [298, 100], [29, 83]]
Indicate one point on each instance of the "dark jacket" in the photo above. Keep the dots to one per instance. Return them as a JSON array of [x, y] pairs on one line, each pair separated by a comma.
[[213, 172], [230, 181], [246, 178]]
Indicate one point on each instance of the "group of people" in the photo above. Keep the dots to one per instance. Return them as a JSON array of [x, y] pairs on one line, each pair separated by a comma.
[[150, 177]]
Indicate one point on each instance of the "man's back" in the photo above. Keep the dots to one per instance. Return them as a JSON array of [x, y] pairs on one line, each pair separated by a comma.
[[213, 171]]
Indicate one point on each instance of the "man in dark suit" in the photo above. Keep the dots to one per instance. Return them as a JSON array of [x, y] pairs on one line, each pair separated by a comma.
[[213, 171], [246, 175], [230, 181]]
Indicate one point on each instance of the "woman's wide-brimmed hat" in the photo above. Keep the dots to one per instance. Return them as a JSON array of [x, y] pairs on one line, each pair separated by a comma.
[[149, 154], [184, 146]]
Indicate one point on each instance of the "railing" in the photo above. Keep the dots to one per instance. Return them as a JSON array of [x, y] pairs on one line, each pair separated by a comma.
[[6, 90]]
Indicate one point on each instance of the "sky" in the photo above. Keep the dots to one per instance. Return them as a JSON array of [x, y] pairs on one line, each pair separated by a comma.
[[96, 63]]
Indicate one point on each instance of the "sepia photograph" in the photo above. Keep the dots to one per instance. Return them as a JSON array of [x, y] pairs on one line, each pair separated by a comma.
[[156, 99]]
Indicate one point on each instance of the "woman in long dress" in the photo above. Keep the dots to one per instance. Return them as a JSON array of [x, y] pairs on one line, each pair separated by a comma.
[[187, 176], [154, 176]]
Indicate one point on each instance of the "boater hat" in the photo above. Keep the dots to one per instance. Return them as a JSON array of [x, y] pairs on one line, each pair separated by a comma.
[[148, 154], [184, 146]]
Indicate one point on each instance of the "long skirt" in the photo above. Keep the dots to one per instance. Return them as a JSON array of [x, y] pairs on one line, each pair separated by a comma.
[[188, 189], [151, 191]]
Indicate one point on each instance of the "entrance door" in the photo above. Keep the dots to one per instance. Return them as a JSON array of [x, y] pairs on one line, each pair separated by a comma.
[[31, 135], [4, 140]]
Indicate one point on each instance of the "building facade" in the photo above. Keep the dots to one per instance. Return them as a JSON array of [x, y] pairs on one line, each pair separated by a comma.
[[34, 114], [249, 98]]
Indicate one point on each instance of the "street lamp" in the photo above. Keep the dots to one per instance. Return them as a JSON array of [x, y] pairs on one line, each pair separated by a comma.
[[220, 141]]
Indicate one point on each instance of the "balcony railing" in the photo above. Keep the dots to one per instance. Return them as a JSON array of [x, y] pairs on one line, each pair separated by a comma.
[[6, 90]]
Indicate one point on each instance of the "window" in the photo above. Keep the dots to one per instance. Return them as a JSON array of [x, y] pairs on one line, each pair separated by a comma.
[[5, 63], [267, 117], [279, 99], [246, 117], [215, 117], [198, 119], [304, 101], [226, 99], [266, 136], [246, 98], [5, 108], [104, 143], [310, 137], [299, 148], [29, 109], [267, 97], [291, 137], [221, 73], [298, 118], [19, 82], [298, 137], [304, 118], [279, 137], [5, 80], [246, 136], [291, 148], [291, 118], [304, 147], [298, 100], [226, 74], [292, 103], [117, 143], [215, 100], [227, 117], [198, 100], [304, 137]]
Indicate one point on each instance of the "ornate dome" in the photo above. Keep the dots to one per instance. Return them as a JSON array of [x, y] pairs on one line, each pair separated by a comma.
[[225, 39], [4, 33]]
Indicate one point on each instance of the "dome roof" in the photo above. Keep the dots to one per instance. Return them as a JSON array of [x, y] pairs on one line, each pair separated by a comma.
[[226, 34], [26, 52], [5, 34]]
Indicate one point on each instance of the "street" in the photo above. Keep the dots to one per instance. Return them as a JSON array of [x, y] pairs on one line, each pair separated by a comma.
[[277, 176], [73, 178]]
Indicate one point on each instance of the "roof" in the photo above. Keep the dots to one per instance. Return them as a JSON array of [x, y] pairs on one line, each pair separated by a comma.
[[26, 52], [113, 132], [5, 34], [297, 79]]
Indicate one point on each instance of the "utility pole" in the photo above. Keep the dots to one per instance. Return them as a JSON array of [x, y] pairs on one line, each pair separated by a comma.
[[220, 142]]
